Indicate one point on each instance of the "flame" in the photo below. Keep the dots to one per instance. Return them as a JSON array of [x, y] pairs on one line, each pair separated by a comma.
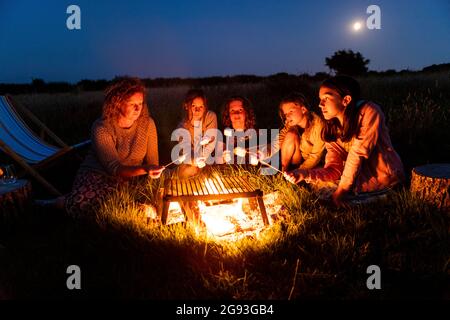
[[225, 219], [229, 217], [216, 221], [150, 211], [175, 213]]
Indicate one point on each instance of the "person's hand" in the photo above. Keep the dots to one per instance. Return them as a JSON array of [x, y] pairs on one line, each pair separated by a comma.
[[295, 176], [339, 197], [154, 172]]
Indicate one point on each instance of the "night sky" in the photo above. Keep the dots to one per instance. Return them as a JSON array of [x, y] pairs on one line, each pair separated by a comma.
[[197, 38]]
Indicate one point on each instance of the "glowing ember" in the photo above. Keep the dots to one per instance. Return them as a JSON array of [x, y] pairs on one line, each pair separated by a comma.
[[175, 213], [234, 217], [217, 218], [150, 211], [224, 219]]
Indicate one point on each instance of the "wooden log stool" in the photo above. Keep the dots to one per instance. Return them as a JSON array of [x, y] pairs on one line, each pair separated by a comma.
[[432, 184]]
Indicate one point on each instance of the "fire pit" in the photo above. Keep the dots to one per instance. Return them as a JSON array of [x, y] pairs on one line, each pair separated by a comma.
[[216, 196]]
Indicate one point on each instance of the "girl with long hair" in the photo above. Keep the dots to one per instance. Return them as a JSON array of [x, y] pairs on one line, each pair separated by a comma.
[[360, 157]]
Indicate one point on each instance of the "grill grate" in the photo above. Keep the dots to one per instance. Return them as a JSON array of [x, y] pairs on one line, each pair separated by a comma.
[[213, 187], [208, 186]]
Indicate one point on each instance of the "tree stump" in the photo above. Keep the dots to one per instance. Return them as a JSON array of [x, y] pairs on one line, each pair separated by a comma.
[[432, 183], [15, 199]]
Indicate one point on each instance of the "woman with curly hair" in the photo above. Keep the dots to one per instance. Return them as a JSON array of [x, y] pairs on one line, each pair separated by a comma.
[[238, 115], [124, 145]]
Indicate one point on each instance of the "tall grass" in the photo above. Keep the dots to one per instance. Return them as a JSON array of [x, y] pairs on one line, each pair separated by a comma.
[[315, 252], [318, 252]]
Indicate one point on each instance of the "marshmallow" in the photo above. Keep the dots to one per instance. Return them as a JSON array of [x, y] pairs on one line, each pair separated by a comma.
[[253, 160], [181, 158], [241, 152], [228, 132], [227, 156], [205, 140], [200, 162]]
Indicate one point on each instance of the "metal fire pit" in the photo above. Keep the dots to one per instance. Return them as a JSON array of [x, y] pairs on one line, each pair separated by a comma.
[[205, 188]]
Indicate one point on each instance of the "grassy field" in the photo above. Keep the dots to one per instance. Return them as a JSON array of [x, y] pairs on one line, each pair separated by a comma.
[[316, 252]]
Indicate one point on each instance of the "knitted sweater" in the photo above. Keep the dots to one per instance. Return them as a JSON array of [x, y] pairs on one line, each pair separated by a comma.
[[113, 146]]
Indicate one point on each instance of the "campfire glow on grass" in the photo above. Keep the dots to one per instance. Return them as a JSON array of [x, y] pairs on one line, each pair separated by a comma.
[[225, 207], [230, 220]]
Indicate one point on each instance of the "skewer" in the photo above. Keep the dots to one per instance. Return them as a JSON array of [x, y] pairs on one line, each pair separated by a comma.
[[203, 142], [179, 159], [265, 163], [241, 153], [228, 132]]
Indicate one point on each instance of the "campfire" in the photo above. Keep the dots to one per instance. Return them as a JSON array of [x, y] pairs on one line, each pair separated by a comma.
[[223, 206]]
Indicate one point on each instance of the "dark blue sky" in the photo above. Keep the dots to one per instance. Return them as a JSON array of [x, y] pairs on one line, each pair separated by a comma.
[[195, 38]]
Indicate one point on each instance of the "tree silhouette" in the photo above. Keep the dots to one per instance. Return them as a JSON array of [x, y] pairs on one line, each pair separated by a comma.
[[347, 62]]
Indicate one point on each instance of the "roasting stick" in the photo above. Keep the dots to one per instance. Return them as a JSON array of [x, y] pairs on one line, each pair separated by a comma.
[[241, 153], [265, 163], [203, 142], [228, 133], [180, 159]]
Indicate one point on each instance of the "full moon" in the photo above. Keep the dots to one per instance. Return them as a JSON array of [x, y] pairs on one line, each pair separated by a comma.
[[357, 26]]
